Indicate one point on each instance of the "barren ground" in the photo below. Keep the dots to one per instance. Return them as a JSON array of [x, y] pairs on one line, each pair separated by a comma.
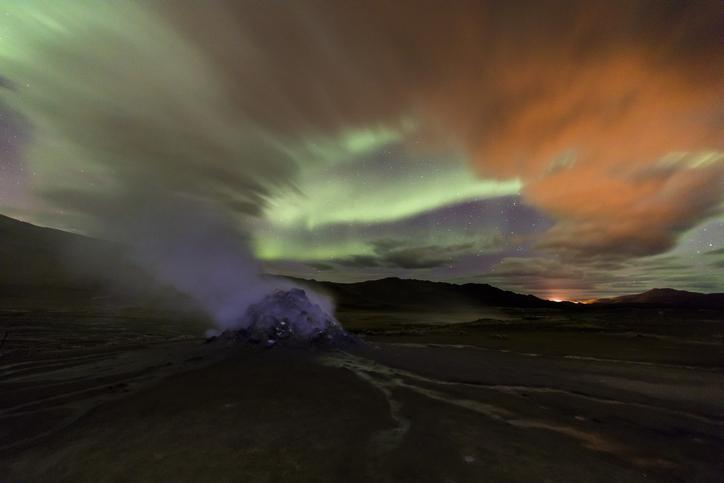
[[507, 395]]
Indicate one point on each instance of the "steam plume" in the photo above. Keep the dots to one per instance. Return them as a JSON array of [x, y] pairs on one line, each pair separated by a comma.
[[135, 136]]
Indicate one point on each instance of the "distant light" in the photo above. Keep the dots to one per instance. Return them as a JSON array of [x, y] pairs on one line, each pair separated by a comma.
[[556, 300]]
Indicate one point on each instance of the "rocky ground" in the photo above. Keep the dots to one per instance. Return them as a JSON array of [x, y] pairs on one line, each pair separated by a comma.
[[533, 396]]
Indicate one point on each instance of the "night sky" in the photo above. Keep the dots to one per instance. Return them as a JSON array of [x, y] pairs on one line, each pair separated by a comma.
[[567, 149]]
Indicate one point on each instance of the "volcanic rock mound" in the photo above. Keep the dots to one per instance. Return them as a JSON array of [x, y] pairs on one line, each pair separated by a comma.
[[288, 317]]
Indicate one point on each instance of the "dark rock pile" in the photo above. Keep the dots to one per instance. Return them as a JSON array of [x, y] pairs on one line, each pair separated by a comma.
[[289, 318]]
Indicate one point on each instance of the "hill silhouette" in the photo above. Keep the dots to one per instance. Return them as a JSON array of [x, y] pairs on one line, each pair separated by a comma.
[[44, 262], [397, 293], [669, 297], [45, 266]]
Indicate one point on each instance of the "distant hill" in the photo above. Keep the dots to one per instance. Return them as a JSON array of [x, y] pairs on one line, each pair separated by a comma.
[[31, 255], [43, 262], [669, 297], [37, 262], [399, 293], [38, 265]]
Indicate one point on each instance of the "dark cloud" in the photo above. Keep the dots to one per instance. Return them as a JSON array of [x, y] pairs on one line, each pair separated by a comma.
[[360, 261], [399, 254], [320, 266]]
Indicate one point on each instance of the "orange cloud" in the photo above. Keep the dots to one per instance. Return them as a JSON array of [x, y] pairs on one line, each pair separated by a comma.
[[613, 128]]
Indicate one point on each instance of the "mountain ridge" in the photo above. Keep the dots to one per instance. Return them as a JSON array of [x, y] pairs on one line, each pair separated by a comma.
[[668, 297], [35, 256], [396, 292]]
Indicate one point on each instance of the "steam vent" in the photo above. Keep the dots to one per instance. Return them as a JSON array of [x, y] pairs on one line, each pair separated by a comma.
[[289, 318]]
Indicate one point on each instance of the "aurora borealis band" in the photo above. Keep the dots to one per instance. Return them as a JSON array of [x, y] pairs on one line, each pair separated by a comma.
[[567, 149]]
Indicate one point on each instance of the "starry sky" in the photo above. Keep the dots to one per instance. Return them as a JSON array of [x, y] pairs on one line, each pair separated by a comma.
[[568, 149]]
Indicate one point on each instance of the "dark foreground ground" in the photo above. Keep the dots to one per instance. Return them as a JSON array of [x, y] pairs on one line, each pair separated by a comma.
[[506, 395]]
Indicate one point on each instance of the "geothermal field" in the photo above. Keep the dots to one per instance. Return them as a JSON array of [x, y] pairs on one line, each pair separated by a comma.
[[98, 391], [361, 241]]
